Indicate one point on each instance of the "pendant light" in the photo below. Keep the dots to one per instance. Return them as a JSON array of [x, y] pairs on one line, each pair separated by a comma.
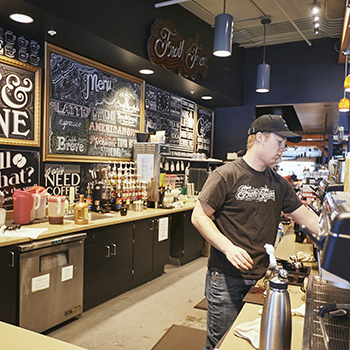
[[263, 78], [223, 34], [344, 103]]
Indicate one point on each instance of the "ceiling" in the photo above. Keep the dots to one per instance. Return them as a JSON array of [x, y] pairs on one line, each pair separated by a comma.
[[291, 20]]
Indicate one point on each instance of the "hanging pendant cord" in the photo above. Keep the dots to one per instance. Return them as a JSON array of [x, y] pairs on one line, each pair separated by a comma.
[[264, 43], [346, 71], [224, 6]]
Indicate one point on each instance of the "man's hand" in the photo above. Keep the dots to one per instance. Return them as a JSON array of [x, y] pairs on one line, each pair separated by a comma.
[[239, 258]]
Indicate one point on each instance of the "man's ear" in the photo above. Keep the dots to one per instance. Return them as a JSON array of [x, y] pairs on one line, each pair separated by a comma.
[[259, 137]]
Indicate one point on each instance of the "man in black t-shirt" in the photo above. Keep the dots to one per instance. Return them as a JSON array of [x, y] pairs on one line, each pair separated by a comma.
[[237, 212]]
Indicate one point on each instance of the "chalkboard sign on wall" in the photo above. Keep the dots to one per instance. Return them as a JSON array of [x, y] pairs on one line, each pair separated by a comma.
[[93, 112], [173, 114], [204, 131]]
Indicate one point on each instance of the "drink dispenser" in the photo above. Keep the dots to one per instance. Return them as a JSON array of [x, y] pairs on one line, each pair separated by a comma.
[[24, 207], [41, 195]]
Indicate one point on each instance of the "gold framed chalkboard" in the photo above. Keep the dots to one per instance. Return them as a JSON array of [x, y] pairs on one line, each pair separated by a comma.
[[20, 101], [92, 111]]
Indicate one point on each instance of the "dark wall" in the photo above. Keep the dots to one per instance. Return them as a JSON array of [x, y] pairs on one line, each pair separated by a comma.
[[299, 74], [100, 29]]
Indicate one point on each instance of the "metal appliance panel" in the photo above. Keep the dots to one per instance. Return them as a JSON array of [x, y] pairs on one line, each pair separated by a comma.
[[320, 292], [50, 283], [141, 150]]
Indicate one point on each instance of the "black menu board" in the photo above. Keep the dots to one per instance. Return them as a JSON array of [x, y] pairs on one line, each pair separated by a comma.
[[94, 110], [204, 131], [20, 169], [174, 115]]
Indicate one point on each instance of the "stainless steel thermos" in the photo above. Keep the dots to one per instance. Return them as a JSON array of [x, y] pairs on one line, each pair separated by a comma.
[[276, 319]]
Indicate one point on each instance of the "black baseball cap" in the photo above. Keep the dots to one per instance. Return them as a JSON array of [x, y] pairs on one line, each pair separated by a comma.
[[273, 123]]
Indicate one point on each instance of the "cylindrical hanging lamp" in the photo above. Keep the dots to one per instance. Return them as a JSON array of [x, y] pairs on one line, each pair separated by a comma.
[[223, 34], [263, 78], [347, 83], [344, 105]]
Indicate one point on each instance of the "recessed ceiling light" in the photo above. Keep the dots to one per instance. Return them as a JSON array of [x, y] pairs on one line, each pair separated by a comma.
[[192, 92], [207, 97], [52, 32], [21, 18], [146, 71]]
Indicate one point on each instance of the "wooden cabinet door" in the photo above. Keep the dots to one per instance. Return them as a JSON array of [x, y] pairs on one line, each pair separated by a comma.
[[161, 248], [96, 269], [107, 263], [9, 275], [121, 258], [176, 235], [143, 247]]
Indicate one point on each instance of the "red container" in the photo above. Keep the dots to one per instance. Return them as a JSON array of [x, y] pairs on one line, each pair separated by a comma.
[[23, 207]]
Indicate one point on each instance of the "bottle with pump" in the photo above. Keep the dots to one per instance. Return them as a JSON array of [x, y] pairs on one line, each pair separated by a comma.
[[81, 212], [276, 319]]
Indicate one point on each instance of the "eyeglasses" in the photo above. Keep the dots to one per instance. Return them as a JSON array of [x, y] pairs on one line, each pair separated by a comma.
[[281, 141]]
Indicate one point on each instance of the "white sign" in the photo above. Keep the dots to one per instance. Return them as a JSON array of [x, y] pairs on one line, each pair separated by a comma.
[[163, 232], [40, 282], [145, 164], [67, 273]]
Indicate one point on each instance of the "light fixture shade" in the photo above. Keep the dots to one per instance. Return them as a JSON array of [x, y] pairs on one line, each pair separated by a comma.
[[347, 83], [263, 79], [223, 35], [344, 105]]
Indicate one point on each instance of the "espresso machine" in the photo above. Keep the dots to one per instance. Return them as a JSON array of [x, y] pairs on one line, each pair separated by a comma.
[[327, 320], [148, 157]]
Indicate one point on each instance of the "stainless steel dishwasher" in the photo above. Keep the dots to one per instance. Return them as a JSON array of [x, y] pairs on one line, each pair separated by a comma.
[[50, 281]]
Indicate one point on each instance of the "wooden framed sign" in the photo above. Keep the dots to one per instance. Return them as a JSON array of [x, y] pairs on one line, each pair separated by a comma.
[[20, 86], [92, 112]]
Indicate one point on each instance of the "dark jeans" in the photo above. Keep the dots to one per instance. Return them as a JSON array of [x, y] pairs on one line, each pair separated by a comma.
[[224, 294]]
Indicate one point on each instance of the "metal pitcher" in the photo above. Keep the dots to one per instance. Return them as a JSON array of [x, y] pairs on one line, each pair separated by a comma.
[[276, 319]]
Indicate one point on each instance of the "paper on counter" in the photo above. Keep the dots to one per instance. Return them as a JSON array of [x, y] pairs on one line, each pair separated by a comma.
[[24, 232]]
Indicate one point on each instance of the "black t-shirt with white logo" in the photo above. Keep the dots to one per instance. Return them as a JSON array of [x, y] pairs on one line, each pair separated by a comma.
[[248, 206]]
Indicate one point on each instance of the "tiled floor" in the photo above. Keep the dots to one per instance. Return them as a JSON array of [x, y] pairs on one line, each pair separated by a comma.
[[139, 318]]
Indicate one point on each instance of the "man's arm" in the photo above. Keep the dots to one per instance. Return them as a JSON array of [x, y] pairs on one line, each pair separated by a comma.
[[238, 257], [306, 217]]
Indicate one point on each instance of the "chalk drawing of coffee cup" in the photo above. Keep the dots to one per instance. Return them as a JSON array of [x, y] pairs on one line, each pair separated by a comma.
[[10, 51], [34, 59], [23, 55], [9, 37], [34, 46], [22, 42]]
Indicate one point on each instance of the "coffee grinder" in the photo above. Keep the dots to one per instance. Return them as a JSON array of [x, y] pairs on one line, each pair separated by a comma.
[[100, 193]]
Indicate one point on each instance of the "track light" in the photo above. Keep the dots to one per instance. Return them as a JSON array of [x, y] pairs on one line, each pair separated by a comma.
[[315, 8]]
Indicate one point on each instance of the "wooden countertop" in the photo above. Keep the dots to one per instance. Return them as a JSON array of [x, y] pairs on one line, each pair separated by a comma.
[[285, 249], [70, 227], [16, 338]]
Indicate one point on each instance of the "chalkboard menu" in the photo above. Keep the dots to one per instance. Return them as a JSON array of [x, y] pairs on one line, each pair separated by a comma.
[[204, 131], [93, 111], [173, 114]]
